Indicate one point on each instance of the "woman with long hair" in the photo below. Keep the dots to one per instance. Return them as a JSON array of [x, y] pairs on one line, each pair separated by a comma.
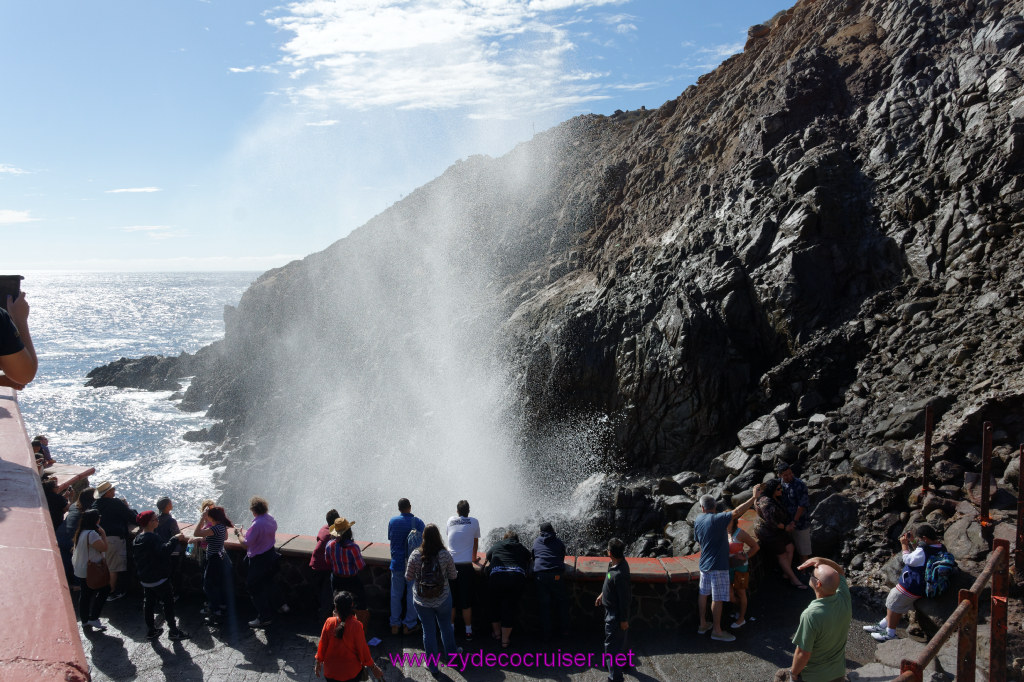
[[430, 568], [217, 580], [342, 652], [739, 568], [90, 543], [774, 525], [509, 561]]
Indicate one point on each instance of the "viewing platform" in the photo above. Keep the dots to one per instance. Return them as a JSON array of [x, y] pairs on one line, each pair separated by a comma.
[[40, 638]]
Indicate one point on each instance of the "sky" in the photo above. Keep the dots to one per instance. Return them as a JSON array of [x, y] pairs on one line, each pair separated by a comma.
[[149, 135]]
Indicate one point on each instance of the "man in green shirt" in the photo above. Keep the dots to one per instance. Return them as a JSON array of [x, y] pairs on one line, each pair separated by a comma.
[[820, 638]]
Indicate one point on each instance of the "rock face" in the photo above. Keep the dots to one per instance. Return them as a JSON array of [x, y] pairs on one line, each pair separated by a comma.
[[817, 240]]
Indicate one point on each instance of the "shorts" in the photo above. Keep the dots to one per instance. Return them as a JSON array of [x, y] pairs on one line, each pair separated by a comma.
[[117, 554], [462, 586], [741, 580], [715, 583], [899, 601], [802, 540]]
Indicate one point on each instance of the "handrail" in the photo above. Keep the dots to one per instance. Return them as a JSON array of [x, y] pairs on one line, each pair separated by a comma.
[[965, 618]]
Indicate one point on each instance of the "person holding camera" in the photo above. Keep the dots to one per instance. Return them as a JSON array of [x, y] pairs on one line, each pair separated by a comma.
[[912, 583], [18, 363]]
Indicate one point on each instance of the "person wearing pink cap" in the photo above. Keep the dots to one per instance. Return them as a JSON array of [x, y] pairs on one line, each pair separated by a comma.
[[153, 566]]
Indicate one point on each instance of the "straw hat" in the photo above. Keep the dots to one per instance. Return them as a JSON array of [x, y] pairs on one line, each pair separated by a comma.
[[102, 488], [340, 526]]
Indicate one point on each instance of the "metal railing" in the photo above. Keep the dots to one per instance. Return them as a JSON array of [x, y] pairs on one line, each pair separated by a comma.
[[965, 619], [997, 571]]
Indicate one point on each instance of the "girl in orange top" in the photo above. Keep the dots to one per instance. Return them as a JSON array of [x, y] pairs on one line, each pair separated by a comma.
[[342, 652]]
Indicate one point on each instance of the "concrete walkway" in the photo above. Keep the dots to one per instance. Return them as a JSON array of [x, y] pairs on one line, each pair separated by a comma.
[[285, 650]]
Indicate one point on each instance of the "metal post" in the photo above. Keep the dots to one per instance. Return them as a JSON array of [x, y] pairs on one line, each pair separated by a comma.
[[1000, 591], [986, 476], [912, 667], [967, 647], [929, 427], [1019, 561]]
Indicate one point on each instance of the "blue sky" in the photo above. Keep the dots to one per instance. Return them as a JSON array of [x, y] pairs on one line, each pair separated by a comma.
[[226, 135]]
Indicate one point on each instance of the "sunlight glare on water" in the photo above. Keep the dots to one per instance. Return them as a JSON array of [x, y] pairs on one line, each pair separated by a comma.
[[133, 438]]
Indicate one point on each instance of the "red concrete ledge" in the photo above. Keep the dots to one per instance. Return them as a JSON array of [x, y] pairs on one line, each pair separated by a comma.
[[69, 474], [39, 637]]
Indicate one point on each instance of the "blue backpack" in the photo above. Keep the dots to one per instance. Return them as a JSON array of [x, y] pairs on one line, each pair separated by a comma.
[[939, 571]]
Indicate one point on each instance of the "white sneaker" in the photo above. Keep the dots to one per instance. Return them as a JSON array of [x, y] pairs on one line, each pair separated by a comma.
[[724, 637], [255, 623], [882, 636], [874, 628]]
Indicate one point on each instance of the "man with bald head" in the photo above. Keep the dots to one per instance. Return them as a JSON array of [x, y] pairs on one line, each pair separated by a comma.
[[820, 638]]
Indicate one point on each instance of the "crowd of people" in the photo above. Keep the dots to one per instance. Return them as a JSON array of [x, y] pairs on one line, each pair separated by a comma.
[[434, 575]]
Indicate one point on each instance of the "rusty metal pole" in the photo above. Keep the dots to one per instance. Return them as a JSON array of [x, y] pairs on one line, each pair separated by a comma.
[[912, 667], [1019, 561], [986, 476], [967, 646], [929, 428], [1000, 591]]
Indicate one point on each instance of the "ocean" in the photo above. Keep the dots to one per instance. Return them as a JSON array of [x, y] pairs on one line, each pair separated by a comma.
[[133, 438]]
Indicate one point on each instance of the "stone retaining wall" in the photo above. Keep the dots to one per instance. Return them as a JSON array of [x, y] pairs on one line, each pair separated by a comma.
[[664, 590]]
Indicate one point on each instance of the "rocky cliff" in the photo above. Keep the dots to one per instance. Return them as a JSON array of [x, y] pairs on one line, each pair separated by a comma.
[[789, 260]]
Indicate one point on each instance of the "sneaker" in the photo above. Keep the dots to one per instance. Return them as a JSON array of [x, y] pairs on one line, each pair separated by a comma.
[[178, 635], [874, 628], [115, 597], [724, 637], [257, 623], [737, 625], [882, 636], [154, 633], [95, 624], [704, 630]]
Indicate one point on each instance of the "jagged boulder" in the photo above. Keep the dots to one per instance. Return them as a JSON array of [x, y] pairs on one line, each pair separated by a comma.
[[831, 520], [881, 462]]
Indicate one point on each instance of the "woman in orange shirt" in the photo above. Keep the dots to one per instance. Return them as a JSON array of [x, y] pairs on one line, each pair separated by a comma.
[[342, 653]]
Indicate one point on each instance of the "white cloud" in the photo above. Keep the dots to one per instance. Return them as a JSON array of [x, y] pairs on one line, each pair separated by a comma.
[[133, 190], [154, 231], [491, 55], [625, 28], [251, 68], [9, 217], [318, 124], [11, 170], [722, 51]]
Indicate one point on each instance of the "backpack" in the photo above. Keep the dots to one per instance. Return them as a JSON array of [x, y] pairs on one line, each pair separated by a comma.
[[939, 570], [412, 542], [430, 582]]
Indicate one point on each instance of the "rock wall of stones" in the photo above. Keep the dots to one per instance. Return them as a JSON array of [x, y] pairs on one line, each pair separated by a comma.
[[659, 605], [788, 261]]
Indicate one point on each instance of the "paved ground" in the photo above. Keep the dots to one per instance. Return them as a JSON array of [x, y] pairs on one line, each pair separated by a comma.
[[285, 650]]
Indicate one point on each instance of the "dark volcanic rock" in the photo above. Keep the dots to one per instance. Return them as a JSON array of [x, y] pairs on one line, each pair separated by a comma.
[[830, 220], [882, 461]]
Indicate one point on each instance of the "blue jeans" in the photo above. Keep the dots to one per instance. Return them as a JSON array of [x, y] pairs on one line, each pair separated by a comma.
[[551, 586], [398, 586], [433, 618], [614, 644]]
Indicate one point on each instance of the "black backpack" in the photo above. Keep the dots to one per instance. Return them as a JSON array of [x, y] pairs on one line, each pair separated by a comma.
[[430, 581]]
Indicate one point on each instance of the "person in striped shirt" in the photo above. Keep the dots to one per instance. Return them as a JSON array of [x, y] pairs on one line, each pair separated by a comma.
[[345, 560]]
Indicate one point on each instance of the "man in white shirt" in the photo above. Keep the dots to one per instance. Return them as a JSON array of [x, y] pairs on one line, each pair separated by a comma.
[[463, 543]]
